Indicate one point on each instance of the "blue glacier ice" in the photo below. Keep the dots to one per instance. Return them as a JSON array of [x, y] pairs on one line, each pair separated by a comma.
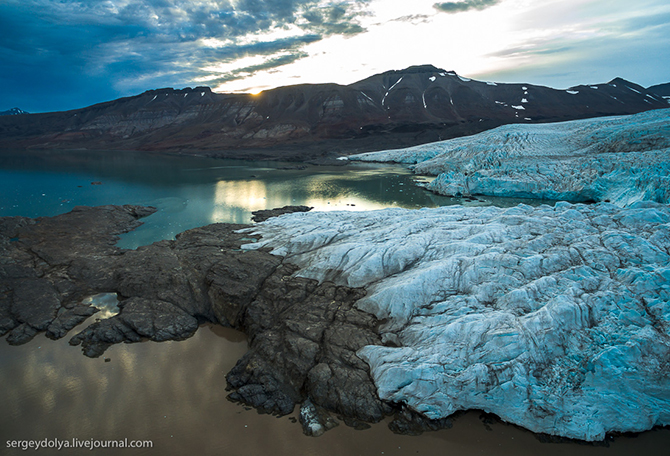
[[554, 318], [620, 159]]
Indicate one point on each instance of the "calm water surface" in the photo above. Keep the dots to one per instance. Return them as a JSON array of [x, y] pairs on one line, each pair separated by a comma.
[[192, 191], [173, 393]]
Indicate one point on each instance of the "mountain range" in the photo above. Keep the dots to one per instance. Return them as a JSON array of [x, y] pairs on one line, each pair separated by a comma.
[[393, 109]]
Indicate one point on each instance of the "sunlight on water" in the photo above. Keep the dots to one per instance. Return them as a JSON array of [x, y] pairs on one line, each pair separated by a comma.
[[231, 197]]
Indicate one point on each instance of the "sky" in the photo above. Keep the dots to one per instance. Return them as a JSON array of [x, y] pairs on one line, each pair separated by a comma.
[[58, 55]]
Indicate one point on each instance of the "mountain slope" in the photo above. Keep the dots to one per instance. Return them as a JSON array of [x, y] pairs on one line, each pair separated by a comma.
[[393, 109], [661, 89]]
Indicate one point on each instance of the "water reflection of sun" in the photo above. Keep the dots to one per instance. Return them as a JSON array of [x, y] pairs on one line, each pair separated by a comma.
[[230, 196], [235, 198]]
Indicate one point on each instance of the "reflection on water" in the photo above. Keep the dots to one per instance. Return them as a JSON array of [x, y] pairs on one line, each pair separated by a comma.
[[251, 195], [106, 303], [174, 392], [195, 191]]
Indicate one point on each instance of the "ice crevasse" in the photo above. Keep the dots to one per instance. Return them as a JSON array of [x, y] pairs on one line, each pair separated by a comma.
[[553, 318]]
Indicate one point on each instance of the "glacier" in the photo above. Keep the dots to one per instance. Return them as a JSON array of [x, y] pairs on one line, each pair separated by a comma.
[[620, 159], [553, 318]]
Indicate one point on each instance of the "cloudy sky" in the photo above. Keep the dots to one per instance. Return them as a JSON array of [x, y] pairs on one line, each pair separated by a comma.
[[66, 54]]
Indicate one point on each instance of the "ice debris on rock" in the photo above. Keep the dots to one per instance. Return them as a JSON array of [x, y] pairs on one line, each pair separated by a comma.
[[620, 159], [553, 318]]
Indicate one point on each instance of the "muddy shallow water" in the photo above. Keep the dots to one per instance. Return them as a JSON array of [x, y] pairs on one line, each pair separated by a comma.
[[173, 393]]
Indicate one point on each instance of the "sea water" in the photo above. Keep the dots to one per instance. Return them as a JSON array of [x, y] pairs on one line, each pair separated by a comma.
[[195, 191]]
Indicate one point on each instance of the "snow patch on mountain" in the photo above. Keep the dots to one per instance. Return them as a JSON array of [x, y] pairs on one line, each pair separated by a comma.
[[621, 159], [554, 318], [13, 112]]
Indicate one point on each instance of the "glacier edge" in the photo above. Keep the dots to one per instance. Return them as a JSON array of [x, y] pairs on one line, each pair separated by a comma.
[[553, 318]]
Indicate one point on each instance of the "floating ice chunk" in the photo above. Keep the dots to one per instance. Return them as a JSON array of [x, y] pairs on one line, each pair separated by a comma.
[[491, 83], [573, 92], [464, 79], [432, 78], [524, 100], [518, 107]]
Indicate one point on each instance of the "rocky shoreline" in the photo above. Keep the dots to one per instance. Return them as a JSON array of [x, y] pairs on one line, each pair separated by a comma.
[[303, 335]]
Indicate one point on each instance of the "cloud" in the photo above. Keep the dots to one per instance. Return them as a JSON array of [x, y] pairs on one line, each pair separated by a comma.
[[466, 5], [597, 49], [270, 64], [413, 19], [140, 44]]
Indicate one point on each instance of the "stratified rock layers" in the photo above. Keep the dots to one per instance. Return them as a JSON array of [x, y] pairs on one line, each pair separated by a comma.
[[553, 318]]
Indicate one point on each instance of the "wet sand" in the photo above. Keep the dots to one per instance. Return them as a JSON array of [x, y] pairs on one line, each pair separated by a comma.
[[173, 393]]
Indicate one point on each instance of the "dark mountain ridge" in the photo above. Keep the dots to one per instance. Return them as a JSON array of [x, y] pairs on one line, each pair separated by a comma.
[[392, 109], [661, 89]]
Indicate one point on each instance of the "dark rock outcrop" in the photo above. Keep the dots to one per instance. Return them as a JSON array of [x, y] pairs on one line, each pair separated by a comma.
[[394, 109], [262, 215], [303, 335]]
